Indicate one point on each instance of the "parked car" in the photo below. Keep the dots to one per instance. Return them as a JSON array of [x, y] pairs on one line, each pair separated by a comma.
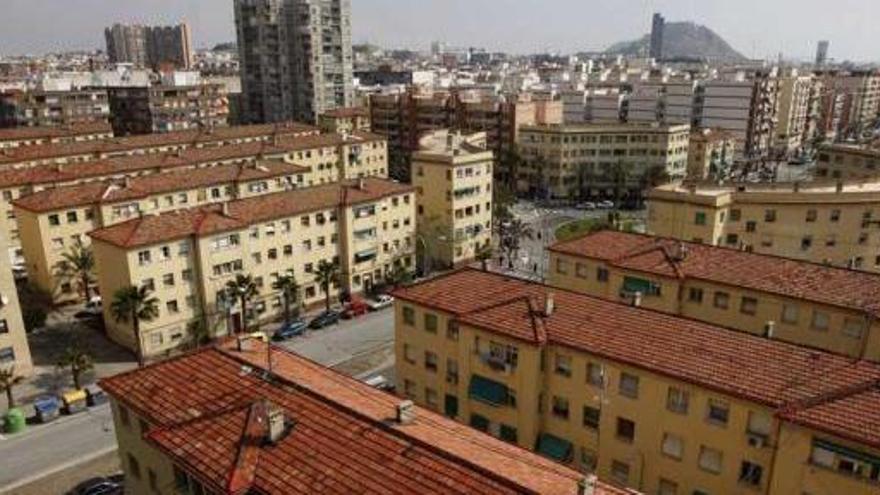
[[93, 308], [356, 307], [380, 302], [290, 330], [325, 319], [605, 205], [98, 486], [380, 382], [588, 205], [19, 272]]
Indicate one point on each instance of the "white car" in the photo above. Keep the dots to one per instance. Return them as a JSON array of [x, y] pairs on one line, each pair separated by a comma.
[[381, 302], [605, 205], [95, 306]]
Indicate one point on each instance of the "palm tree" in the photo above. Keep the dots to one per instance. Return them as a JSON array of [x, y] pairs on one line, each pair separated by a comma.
[[78, 264], [287, 285], [8, 380], [619, 178], [326, 275], [78, 361], [483, 255], [135, 304], [243, 288]]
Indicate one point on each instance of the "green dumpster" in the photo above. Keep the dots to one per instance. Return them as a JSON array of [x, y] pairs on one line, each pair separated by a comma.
[[15, 422]]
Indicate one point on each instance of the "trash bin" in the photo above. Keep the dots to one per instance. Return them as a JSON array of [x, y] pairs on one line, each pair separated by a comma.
[[74, 401], [14, 421], [95, 396], [46, 408]]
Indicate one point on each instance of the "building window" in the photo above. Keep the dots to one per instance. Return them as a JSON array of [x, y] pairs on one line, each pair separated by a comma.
[[4, 327], [596, 375], [770, 216], [667, 487], [748, 306], [626, 430], [835, 216], [561, 266], [750, 473], [722, 300], [7, 355], [409, 316], [719, 412], [751, 226], [790, 314], [54, 220], [431, 398], [581, 270], [171, 307], [563, 365], [672, 446], [806, 243], [134, 466], [700, 218], [677, 400], [853, 328], [812, 215], [452, 330], [710, 459], [602, 274], [735, 215], [695, 295], [480, 422], [144, 258], [620, 472], [508, 434], [560, 407], [628, 386], [450, 406], [431, 361], [168, 280], [820, 321], [409, 389], [431, 322], [592, 416]]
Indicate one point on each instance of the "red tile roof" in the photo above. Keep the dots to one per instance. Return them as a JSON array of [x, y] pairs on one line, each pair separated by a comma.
[[208, 412], [31, 133], [107, 192], [777, 374], [153, 229], [349, 112], [850, 289], [152, 141]]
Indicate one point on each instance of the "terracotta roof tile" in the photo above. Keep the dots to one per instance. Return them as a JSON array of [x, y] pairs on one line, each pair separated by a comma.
[[30, 133], [106, 192], [152, 229], [774, 373], [130, 143], [343, 437], [851, 289], [348, 112]]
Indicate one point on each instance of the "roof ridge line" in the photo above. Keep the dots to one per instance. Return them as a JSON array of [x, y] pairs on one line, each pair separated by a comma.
[[831, 396]]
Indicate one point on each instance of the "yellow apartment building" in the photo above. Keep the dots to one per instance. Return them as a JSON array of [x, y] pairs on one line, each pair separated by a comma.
[[328, 156], [187, 256], [823, 222], [587, 160], [52, 221], [345, 120], [222, 420], [452, 174], [74, 152], [14, 350], [848, 162], [16, 137], [646, 400], [833, 309], [710, 152]]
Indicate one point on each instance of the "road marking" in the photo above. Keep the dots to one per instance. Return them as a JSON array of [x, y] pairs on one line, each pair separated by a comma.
[[57, 469]]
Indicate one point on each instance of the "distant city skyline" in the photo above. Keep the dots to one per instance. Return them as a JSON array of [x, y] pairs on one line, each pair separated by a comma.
[[756, 28]]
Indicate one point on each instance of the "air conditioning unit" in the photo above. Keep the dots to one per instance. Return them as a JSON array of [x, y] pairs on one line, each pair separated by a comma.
[[757, 440]]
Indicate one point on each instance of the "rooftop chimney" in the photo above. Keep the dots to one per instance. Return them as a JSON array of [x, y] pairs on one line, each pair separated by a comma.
[[406, 412], [225, 209], [587, 485], [797, 187], [277, 427], [361, 184], [839, 186], [244, 344], [679, 252], [637, 300], [769, 329], [450, 140], [549, 305]]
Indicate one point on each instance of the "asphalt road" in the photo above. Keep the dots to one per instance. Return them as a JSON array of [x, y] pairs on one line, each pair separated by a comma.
[[44, 450]]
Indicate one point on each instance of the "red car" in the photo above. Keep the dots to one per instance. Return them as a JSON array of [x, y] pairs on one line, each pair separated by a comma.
[[355, 308]]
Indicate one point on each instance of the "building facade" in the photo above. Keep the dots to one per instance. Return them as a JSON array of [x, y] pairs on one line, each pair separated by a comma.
[[711, 153], [19, 137], [848, 162], [150, 46], [341, 432], [821, 222], [645, 400], [794, 111], [40, 108], [452, 174], [345, 120], [598, 160], [764, 295], [296, 58], [366, 227], [14, 351], [160, 109]]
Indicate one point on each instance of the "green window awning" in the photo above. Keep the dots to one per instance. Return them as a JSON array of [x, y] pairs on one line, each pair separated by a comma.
[[632, 284], [847, 452], [555, 448], [488, 391]]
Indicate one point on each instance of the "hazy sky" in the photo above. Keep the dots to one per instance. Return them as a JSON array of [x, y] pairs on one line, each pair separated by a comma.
[[757, 28]]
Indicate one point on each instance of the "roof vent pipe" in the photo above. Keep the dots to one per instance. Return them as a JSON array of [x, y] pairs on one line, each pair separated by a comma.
[[549, 305], [406, 412], [769, 329], [587, 485]]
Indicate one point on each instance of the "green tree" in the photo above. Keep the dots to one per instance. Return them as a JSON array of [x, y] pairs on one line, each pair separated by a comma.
[[327, 275], [510, 163], [242, 288], [484, 255], [198, 333], [78, 361], [78, 265], [511, 235], [289, 288], [134, 305], [8, 381], [503, 198], [619, 179], [398, 276], [36, 304]]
